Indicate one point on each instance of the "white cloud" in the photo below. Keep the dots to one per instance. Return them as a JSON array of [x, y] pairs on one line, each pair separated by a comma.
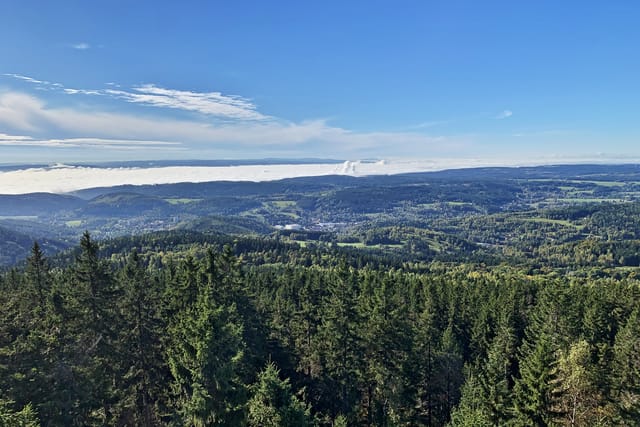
[[81, 46], [17, 110], [25, 78], [43, 84], [64, 178], [70, 91], [216, 104], [429, 124], [5, 137], [124, 144], [210, 103], [32, 116], [505, 114]]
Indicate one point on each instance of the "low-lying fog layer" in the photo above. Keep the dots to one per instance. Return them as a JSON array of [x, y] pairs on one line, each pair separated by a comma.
[[65, 178]]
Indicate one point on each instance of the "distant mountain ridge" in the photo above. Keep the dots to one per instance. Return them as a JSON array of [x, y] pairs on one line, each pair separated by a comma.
[[325, 206]]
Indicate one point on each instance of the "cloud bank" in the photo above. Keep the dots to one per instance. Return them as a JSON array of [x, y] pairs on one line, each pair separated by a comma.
[[64, 178], [34, 119]]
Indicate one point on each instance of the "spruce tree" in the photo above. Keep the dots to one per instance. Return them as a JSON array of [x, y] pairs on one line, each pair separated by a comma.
[[626, 370], [273, 404], [342, 345], [144, 370], [472, 411], [205, 355], [496, 379], [545, 336], [94, 299]]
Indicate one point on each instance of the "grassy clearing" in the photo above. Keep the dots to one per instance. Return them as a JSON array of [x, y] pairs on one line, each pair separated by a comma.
[[291, 215], [20, 217], [353, 245], [586, 200], [579, 181], [361, 245], [563, 222], [283, 204], [434, 244], [74, 223], [181, 201], [606, 183]]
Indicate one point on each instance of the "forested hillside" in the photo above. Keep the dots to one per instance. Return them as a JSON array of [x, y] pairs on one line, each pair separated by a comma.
[[343, 209], [183, 328]]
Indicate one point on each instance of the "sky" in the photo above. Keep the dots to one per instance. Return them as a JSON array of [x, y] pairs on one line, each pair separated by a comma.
[[141, 80]]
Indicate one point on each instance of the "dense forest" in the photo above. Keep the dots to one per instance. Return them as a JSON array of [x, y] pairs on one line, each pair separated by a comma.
[[182, 328], [480, 297]]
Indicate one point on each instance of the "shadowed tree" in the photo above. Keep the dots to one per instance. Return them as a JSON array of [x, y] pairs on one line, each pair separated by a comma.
[[205, 356], [274, 405]]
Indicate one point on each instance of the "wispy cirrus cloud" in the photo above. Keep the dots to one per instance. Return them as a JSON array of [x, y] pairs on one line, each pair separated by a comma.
[[223, 124], [216, 104], [504, 115], [40, 83], [120, 144], [81, 46], [31, 115], [210, 103]]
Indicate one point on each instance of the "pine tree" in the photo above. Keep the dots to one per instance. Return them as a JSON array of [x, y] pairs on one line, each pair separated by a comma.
[[94, 296], [342, 346], [626, 369], [448, 374], [546, 335], [386, 346], [274, 405], [422, 362], [205, 356], [37, 276], [472, 411], [496, 377], [140, 339]]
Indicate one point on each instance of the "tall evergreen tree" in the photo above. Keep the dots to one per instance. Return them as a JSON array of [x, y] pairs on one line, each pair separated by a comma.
[[546, 335], [37, 275], [140, 338], [422, 362], [274, 405], [496, 378], [342, 345], [472, 411], [386, 346], [95, 300], [626, 370], [205, 356]]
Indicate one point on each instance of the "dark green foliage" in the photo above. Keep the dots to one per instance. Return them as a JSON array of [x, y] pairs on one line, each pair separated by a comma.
[[141, 342], [205, 353], [26, 417], [273, 404], [181, 328], [626, 369], [342, 345]]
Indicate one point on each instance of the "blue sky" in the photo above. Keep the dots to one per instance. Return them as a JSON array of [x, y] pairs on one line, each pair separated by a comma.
[[123, 80]]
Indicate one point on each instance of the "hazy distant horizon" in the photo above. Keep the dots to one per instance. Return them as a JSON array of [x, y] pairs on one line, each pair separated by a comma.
[[67, 178]]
